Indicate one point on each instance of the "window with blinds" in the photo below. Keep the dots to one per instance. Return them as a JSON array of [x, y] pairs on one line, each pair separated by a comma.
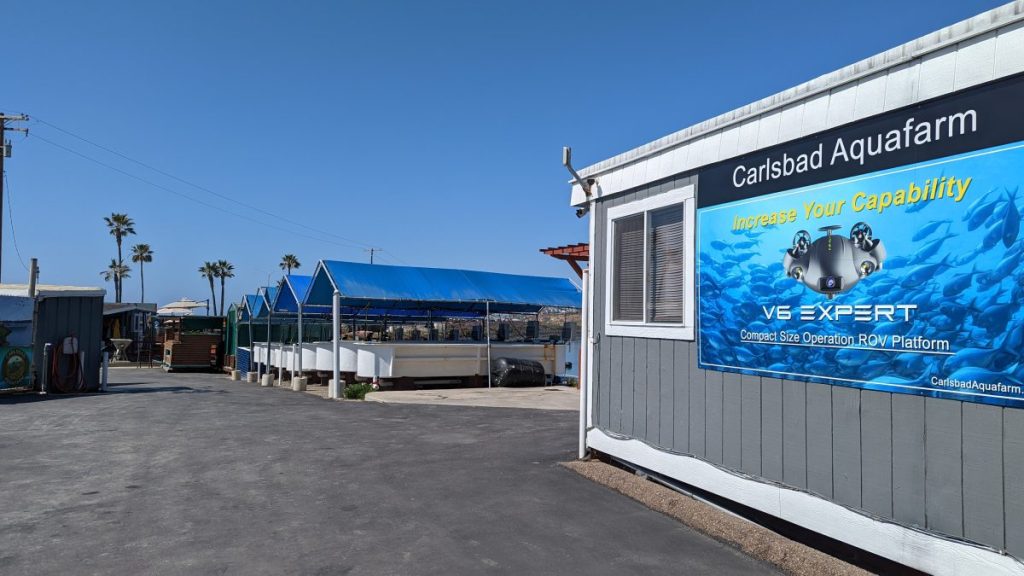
[[628, 270], [665, 265], [651, 268]]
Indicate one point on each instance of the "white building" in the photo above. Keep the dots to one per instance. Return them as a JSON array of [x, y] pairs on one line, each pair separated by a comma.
[[811, 305]]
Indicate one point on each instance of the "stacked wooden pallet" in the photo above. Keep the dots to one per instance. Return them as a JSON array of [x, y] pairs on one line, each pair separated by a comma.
[[191, 352]]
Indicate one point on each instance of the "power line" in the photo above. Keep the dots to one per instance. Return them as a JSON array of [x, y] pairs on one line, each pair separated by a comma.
[[35, 135], [194, 185], [388, 254], [10, 214]]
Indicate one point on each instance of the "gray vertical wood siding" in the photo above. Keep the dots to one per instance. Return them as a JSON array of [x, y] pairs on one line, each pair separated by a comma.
[[81, 317], [951, 467]]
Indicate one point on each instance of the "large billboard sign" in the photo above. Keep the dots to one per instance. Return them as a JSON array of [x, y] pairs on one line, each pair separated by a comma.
[[908, 278]]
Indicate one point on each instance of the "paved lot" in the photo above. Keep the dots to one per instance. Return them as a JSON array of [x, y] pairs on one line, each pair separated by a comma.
[[182, 474]]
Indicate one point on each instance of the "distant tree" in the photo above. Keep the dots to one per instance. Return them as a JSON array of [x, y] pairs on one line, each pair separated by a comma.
[[288, 262], [209, 271], [115, 273], [225, 270], [119, 225], [141, 254]]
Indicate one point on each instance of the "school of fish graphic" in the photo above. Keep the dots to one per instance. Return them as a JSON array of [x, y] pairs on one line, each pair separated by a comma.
[[961, 268]]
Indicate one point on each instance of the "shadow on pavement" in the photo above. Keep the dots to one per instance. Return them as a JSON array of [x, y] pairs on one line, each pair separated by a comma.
[[172, 389], [30, 397]]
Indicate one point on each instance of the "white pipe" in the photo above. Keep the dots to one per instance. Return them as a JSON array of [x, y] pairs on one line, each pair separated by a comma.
[[584, 357], [488, 307], [106, 365], [335, 389], [590, 341]]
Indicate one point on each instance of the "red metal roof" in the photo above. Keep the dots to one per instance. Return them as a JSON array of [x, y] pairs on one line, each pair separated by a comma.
[[578, 252], [573, 254]]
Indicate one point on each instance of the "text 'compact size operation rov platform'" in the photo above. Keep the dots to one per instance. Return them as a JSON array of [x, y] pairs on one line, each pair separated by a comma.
[[834, 264]]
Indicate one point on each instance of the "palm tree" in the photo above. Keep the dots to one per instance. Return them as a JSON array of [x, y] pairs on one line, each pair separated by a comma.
[[288, 262], [209, 271], [141, 253], [225, 270], [120, 225], [114, 273]]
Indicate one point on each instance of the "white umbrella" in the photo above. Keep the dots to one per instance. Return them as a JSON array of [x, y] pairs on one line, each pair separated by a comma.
[[183, 306], [174, 312]]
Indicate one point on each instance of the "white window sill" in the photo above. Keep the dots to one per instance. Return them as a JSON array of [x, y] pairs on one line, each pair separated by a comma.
[[649, 331]]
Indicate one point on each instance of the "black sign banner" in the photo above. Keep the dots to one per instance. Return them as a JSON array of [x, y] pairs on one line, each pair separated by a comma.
[[971, 119]]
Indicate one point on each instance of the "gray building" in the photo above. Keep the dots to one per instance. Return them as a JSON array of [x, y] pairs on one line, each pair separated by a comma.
[[69, 318], [811, 305]]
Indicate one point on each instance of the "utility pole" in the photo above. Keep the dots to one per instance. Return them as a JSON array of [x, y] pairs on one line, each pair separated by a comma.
[[371, 251], [5, 152]]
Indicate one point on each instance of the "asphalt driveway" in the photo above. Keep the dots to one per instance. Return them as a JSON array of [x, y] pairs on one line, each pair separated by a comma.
[[194, 474]]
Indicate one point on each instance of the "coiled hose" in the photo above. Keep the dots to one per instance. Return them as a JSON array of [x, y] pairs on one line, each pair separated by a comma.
[[73, 380]]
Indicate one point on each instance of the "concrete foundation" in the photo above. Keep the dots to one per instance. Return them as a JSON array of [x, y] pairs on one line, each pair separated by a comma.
[[251, 377], [236, 375], [299, 383], [268, 381]]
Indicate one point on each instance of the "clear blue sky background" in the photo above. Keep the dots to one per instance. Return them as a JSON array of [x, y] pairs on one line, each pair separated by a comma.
[[430, 129]]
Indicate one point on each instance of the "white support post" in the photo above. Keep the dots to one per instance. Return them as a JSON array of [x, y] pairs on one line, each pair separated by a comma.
[[298, 362], [298, 378], [487, 307], [252, 349], [584, 373], [335, 389]]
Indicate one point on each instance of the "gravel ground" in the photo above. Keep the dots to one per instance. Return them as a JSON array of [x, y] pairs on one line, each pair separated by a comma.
[[537, 398], [761, 543]]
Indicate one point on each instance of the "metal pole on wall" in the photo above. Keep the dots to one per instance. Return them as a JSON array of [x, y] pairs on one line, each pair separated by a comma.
[[335, 389], [487, 323], [267, 365], [584, 374], [45, 384]]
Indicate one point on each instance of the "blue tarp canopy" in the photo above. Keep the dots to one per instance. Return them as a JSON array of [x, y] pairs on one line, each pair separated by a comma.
[[293, 290], [405, 315], [264, 299], [409, 288], [248, 307]]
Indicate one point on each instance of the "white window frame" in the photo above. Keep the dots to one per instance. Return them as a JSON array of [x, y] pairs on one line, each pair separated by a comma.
[[645, 329]]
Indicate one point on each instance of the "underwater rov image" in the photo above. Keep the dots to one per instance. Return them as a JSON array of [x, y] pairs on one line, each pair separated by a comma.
[[833, 264], [775, 299]]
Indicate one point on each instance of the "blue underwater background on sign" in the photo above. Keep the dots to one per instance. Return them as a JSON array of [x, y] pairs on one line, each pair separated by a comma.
[[959, 263]]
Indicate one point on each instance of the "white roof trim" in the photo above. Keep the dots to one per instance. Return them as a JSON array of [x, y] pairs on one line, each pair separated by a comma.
[[951, 35], [52, 291]]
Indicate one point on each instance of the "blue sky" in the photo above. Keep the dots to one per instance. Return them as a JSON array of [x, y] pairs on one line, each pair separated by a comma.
[[432, 130]]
